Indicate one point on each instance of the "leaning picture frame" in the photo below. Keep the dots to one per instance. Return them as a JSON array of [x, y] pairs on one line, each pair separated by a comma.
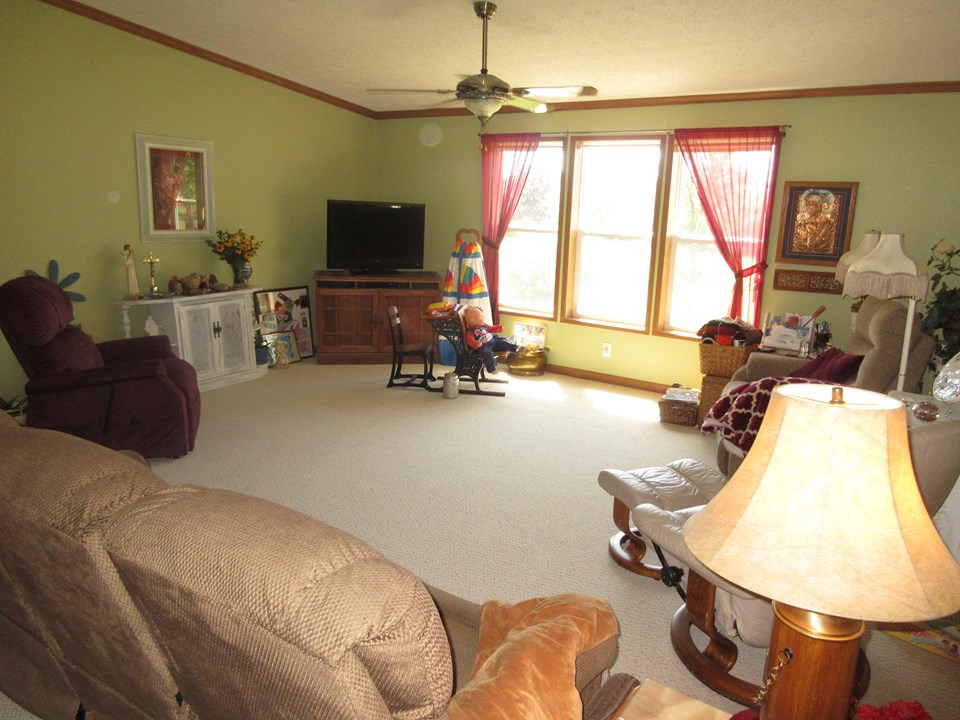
[[288, 342], [287, 309], [175, 183], [816, 222]]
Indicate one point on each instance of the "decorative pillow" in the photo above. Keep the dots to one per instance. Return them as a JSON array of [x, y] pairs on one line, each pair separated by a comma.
[[526, 660], [831, 365]]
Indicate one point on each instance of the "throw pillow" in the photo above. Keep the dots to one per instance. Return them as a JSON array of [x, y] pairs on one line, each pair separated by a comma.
[[831, 365], [527, 655]]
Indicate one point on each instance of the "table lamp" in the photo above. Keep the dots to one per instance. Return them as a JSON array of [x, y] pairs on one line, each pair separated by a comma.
[[824, 518], [888, 272]]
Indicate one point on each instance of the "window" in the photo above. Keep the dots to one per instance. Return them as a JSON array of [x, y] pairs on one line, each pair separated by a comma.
[[696, 281], [617, 204], [612, 222], [528, 254]]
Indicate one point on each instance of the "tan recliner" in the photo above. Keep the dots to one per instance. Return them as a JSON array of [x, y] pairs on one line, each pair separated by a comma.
[[877, 335]]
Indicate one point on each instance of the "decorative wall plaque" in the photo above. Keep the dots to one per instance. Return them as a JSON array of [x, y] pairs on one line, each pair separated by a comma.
[[806, 281]]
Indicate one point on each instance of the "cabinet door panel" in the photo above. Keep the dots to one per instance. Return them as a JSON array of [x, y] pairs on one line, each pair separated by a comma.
[[199, 349], [234, 351], [346, 321]]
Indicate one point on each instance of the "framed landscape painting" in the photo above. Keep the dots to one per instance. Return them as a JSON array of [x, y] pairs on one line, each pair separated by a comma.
[[816, 222]]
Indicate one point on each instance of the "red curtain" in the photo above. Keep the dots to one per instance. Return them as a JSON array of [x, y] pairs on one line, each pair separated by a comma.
[[507, 160], [735, 171]]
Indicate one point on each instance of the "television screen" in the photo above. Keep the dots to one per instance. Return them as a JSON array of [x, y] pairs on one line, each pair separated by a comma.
[[374, 236]]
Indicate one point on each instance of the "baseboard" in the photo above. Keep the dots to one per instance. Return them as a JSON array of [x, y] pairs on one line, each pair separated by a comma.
[[609, 379]]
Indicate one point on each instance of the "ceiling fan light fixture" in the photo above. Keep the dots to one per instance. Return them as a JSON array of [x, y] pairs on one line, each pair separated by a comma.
[[483, 107]]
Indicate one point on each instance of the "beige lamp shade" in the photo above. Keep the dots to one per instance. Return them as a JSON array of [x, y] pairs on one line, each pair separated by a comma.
[[868, 243], [824, 513], [886, 272]]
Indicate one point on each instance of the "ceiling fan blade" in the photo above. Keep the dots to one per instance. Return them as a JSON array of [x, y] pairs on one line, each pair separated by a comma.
[[410, 90], [527, 104], [558, 92]]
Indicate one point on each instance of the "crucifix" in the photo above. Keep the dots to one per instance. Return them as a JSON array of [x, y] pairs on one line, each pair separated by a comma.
[[152, 262]]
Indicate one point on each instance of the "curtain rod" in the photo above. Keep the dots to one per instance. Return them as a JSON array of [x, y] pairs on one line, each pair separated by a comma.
[[570, 133]]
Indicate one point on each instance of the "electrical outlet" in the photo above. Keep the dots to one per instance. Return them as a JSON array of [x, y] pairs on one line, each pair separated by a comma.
[[606, 350]]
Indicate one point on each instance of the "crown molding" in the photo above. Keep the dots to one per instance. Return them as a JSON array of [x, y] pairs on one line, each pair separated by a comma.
[[786, 94]]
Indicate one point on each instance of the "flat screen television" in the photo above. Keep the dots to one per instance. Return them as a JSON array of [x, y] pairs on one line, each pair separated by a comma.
[[369, 237]]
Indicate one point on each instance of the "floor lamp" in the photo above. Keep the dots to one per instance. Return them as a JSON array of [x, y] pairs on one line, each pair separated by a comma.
[[888, 272], [824, 518], [869, 242]]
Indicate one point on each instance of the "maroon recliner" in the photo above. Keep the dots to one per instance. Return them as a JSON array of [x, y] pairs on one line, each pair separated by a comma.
[[125, 394]]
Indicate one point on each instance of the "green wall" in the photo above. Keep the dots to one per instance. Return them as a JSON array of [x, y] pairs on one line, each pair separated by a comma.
[[904, 150], [75, 92]]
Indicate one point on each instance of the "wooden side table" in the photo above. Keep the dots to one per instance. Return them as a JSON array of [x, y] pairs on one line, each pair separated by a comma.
[[653, 701]]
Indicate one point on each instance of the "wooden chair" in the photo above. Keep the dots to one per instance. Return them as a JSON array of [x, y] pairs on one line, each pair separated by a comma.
[[469, 362], [422, 351]]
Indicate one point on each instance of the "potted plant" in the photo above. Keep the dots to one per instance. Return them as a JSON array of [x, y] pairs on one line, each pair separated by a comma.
[[941, 317], [261, 348]]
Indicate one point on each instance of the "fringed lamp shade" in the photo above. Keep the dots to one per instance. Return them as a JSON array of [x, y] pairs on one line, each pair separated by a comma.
[[886, 272], [868, 243], [825, 514]]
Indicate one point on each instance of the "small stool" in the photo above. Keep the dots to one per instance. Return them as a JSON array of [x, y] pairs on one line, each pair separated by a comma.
[[679, 485]]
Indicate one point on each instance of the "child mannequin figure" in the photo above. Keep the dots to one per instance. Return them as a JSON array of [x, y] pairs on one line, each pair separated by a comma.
[[481, 337]]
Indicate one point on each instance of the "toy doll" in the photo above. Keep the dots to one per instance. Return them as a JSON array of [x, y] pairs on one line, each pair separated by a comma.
[[482, 337]]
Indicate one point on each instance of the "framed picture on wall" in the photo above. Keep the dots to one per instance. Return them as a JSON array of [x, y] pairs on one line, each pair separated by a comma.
[[175, 179], [287, 309], [816, 222]]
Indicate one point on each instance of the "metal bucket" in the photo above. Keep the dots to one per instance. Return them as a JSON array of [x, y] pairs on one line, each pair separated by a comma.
[[451, 386]]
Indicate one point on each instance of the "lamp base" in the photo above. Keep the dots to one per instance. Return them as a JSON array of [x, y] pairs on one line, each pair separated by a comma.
[[817, 683]]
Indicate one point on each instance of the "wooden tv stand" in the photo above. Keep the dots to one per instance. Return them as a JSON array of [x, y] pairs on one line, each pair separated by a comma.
[[351, 313]]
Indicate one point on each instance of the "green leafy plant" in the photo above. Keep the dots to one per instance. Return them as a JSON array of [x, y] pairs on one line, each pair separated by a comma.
[[941, 317]]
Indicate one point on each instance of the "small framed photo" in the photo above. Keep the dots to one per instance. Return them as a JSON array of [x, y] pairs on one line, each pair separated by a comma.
[[287, 309], [175, 179], [283, 345], [816, 222]]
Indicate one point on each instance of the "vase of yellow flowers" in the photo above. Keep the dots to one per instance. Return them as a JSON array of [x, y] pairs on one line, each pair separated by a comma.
[[236, 249]]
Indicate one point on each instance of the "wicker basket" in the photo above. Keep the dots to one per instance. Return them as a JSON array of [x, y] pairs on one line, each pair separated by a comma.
[[711, 388], [723, 360], [678, 412]]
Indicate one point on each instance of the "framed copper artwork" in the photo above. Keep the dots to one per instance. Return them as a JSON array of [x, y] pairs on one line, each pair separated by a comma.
[[816, 221]]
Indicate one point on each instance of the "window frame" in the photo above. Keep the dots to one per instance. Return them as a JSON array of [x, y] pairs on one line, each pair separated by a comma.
[[571, 245], [662, 255], [553, 315]]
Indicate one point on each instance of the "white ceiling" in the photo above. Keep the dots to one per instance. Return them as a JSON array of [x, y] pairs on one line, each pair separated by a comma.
[[626, 49]]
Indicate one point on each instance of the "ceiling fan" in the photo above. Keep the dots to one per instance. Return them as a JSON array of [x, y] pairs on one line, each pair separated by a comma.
[[484, 94]]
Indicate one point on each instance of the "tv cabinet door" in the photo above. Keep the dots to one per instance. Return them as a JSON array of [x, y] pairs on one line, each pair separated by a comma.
[[411, 304], [347, 321]]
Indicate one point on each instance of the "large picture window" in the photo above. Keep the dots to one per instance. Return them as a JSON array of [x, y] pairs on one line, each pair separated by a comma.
[[625, 216]]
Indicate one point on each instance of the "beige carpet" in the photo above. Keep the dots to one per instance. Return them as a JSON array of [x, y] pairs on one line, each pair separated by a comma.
[[486, 497]]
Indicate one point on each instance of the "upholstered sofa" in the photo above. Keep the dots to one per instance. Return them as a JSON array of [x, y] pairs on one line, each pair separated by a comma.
[[123, 597]]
